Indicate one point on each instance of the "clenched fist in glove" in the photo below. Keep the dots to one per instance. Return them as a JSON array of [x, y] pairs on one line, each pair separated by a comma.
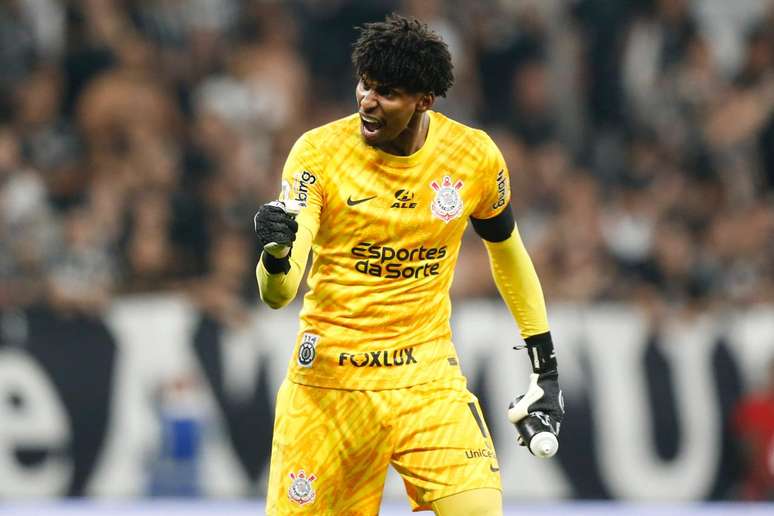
[[543, 399], [276, 228]]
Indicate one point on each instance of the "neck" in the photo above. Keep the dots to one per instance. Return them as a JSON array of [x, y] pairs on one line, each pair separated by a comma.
[[412, 138]]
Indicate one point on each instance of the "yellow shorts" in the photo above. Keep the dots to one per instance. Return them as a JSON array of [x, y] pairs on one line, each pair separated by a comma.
[[331, 447]]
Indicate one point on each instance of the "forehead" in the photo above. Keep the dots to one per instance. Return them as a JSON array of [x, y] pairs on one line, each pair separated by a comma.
[[374, 84]]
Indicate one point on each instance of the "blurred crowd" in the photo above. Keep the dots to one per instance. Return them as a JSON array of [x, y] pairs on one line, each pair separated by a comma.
[[138, 137]]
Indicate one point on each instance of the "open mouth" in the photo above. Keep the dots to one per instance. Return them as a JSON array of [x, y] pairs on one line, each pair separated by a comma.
[[370, 126]]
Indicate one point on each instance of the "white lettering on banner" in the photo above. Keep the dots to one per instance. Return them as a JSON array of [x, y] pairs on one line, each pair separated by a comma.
[[599, 350], [32, 422], [612, 339], [628, 460], [154, 336]]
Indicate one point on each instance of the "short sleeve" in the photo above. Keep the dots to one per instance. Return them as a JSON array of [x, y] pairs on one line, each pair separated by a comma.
[[495, 183]]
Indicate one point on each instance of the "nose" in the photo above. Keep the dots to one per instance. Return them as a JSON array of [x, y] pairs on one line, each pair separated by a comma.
[[368, 101]]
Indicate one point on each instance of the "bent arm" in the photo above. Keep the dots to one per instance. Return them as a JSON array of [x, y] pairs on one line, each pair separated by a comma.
[[277, 288], [278, 280]]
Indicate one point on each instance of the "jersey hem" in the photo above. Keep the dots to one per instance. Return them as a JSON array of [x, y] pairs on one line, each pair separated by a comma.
[[332, 383], [427, 505]]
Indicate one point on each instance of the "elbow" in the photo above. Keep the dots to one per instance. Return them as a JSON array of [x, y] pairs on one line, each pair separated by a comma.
[[275, 301]]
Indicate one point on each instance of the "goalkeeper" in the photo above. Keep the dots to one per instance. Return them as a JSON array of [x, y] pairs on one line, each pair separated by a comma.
[[382, 198]]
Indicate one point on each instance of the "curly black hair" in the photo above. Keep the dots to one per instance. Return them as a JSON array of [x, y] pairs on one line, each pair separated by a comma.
[[405, 53]]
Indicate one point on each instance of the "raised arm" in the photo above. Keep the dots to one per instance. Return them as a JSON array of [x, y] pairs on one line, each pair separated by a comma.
[[280, 268]]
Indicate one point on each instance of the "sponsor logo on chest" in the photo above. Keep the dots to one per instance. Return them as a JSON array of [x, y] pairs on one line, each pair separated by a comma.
[[380, 358], [404, 199], [392, 263]]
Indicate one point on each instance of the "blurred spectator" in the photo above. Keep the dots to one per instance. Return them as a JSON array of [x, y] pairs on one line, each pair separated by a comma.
[[17, 45], [26, 226], [222, 292], [603, 25], [150, 258], [532, 118], [81, 272], [328, 32], [753, 423], [462, 102], [137, 139]]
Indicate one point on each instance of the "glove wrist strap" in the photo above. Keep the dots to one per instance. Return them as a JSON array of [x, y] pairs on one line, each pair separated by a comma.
[[275, 265], [542, 356]]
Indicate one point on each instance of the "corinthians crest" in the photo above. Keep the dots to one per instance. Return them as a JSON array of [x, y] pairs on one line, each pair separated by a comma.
[[447, 204], [301, 490]]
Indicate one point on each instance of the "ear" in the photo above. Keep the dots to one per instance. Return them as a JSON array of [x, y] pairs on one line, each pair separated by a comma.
[[425, 102]]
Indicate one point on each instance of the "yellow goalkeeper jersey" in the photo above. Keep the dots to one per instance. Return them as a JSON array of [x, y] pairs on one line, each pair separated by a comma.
[[385, 233]]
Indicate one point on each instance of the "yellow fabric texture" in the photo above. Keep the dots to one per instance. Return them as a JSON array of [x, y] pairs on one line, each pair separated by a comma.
[[277, 290], [518, 283], [477, 502], [433, 434], [385, 233]]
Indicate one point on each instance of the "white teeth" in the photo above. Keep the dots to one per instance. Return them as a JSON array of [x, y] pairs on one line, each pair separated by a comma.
[[370, 120]]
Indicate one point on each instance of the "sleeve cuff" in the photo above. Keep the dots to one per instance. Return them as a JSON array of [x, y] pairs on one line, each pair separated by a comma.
[[275, 265], [542, 356]]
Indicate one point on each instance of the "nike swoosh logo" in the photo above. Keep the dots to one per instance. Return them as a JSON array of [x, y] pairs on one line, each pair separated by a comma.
[[351, 202]]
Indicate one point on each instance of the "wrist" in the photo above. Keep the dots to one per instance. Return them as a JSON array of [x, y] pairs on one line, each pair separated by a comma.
[[542, 356], [275, 265]]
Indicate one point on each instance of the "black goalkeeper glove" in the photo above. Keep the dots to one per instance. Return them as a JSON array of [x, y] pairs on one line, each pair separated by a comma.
[[543, 398], [276, 228]]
